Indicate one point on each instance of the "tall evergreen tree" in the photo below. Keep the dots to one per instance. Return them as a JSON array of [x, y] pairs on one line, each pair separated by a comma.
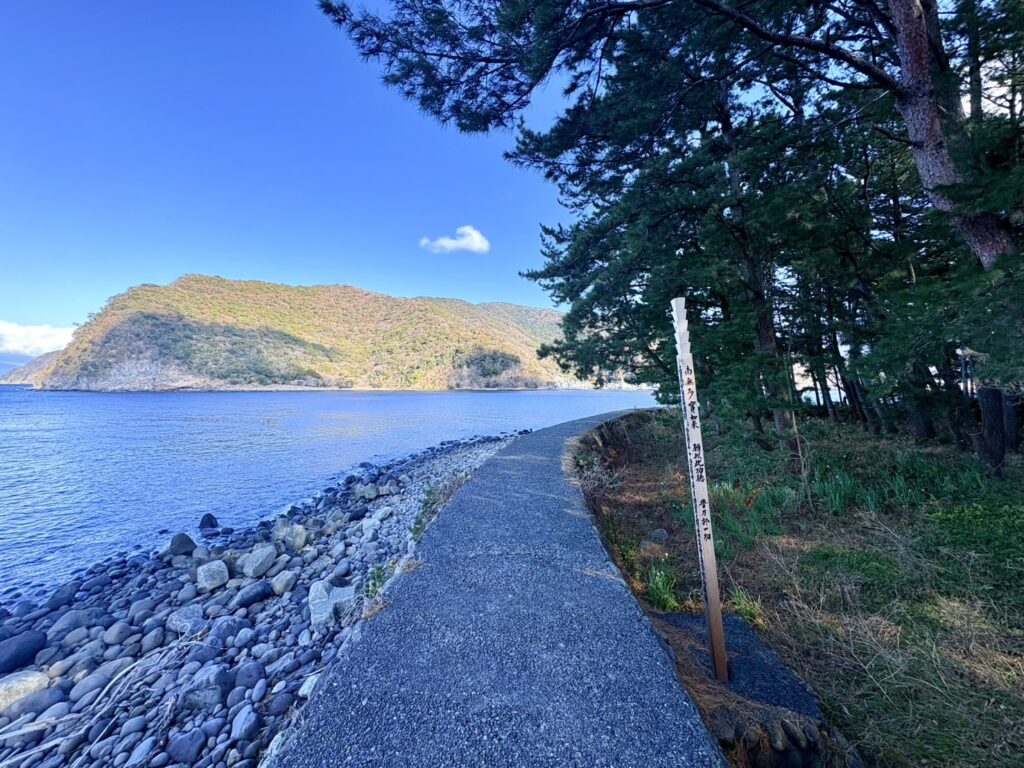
[[803, 172]]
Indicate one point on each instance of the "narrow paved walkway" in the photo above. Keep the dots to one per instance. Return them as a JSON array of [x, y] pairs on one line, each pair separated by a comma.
[[515, 644]]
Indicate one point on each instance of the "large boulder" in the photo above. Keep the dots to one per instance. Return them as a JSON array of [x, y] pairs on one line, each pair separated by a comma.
[[207, 522], [226, 627], [181, 544], [140, 610], [212, 575], [367, 492], [140, 755], [19, 651], [18, 685], [208, 688], [117, 633], [186, 747], [37, 702], [246, 725], [254, 593], [321, 607], [187, 621], [97, 681], [308, 685], [284, 581], [327, 602], [250, 673], [256, 563], [293, 536]]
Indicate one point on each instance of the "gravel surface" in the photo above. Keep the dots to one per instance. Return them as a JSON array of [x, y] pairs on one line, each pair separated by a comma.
[[514, 643], [755, 671]]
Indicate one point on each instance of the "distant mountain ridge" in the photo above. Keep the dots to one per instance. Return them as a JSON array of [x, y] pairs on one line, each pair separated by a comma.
[[204, 332], [26, 373]]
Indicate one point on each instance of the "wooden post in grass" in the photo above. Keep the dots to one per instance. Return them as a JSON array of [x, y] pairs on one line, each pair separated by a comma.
[[699, 492]]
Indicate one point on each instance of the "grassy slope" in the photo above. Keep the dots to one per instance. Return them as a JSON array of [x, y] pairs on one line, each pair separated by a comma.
[[262, 333], [890, 576]]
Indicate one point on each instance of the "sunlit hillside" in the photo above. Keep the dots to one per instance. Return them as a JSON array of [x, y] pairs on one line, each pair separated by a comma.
[[208, 332]]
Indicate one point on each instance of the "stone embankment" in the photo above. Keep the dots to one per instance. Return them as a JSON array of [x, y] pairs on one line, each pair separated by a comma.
[[200, 655]]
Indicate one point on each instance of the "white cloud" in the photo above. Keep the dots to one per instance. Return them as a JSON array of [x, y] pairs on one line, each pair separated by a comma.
[[466, 238], [32, 339]]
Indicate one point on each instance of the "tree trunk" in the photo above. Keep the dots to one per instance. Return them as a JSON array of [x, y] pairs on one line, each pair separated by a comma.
[[848, 385], [961, 420], [839, 386], [816, 362], [993, 438], [924, 429], [884, 420], [758, 274], [853, 396], [922, 102], [767, 347], [821, 377], [1011, 426], [974, 88], [867, 412], [918, 402]]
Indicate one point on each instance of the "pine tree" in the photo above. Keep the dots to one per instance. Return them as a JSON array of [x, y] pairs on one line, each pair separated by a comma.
[[804, 173]]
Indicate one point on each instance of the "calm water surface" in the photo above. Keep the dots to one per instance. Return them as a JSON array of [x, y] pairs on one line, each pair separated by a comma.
[[84, 475]]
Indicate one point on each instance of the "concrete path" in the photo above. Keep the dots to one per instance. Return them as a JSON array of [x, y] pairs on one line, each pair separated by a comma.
[[515, 644]]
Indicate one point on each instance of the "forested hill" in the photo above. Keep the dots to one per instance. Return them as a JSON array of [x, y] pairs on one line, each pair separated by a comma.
[[211, 333]]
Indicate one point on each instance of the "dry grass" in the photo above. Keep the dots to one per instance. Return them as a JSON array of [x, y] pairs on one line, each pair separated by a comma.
[[902, 607], [435, 499], [76, 726]]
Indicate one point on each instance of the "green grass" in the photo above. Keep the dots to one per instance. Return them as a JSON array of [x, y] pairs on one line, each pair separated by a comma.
[[627, 547], [748, 607], [980, 548], [836, 490], [995, 531], [661, 587], [429, 508], [434, 499], [375, 582], [745, 514], [889, 575], [848, 577]]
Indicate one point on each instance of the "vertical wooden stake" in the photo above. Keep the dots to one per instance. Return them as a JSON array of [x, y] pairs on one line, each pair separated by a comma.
[[699, 492]]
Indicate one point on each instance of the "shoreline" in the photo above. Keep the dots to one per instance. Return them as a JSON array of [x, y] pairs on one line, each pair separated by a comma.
[[202, 653], [584, 387]]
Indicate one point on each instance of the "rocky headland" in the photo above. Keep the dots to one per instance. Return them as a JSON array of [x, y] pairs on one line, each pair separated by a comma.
[[202, 654], [208, 333]]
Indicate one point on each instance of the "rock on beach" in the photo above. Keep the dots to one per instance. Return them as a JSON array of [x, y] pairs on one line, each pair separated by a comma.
[[258, 562], [212, 575], [19, 651], [17, 685], [181, 544]]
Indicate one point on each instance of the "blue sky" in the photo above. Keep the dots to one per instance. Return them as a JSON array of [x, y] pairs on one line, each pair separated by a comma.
[[143, 141]]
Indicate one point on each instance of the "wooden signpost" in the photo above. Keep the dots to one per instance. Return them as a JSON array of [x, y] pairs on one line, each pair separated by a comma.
[[699, 492]]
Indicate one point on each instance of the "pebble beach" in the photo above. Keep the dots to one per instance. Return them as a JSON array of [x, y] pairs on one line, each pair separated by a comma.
[[204, 653]]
